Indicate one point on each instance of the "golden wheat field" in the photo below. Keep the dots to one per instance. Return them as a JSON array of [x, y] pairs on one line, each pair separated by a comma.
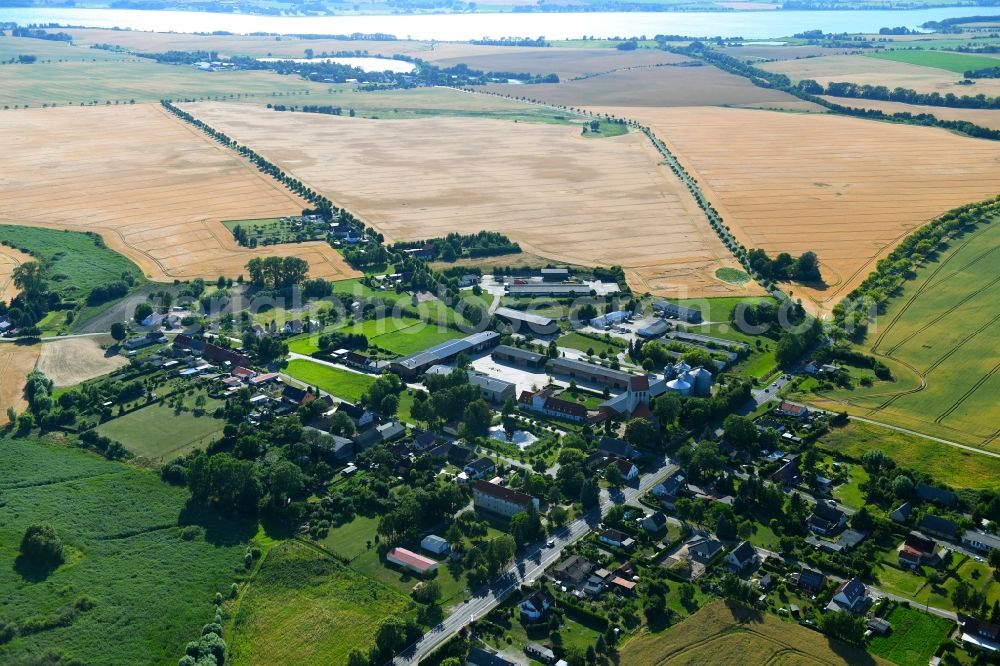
[[845, 188], [568, 198], [983, 117], [10, 259], [16, 361], [149, 184]]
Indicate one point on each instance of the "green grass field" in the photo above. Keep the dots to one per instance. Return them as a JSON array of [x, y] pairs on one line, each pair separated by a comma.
[[415, 338], [159, 433], [152, 588], [371, 328], [952, 466], [303, 607], [938, 338], [76, 262], [914, 638], [583, 343], [953, 62], [341, 383], [274, 230], [732, 275]]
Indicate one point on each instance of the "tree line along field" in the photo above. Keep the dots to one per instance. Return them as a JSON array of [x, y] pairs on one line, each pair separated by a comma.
[[421, 179], [862, 70], [845, 188], [938, 338], [152, 187], [983, 117], [726, 633], [304, 607], [150, 581]]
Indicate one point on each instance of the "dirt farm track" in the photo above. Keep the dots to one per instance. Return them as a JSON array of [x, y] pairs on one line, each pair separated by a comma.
[[153, 187], [586, 201]]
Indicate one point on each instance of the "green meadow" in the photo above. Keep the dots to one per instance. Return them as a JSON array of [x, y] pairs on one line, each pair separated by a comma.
[[149, 582]]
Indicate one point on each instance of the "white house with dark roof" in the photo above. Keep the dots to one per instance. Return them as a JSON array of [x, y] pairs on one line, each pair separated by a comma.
[[742, 557], [851, 596], [535, 606]]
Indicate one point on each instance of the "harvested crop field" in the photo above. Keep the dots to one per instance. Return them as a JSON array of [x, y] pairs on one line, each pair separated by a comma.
[[150, 185], [845, 188], [10, 259], [16, 361], [561, 195], [726, 633], [779, 52], [670, 85], [983, 117], [567, 63], [878, 72], [73, 360]]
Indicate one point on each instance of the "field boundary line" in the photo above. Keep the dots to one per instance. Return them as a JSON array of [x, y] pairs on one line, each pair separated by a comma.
[[42, 484]]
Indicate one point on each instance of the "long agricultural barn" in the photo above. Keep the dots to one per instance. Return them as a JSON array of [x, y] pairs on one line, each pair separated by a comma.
[[527, 323], [674, 311], [522, 357], [547, 289], [446, 352], [589, 372]]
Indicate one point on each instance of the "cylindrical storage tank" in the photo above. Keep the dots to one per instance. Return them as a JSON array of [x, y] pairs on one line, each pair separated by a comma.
[[668, 372], [686, 376], [679, 386], [702, 381], [680, 368]]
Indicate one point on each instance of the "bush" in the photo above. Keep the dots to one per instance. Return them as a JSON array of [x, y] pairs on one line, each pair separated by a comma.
[[40, 543]]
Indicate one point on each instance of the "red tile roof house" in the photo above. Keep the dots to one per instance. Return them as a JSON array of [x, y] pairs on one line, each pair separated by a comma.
[[407, 559], [916, 550], [542, 402]]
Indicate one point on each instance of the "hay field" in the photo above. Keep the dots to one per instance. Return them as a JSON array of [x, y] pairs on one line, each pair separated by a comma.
[[10, 259], [846, 188], [878, 72], [151, 186], [984, 117], [77, 82], [16, 361], [657, 87], [560, 195], [728, 634], [939, 338], [73, 360], [567, 63]]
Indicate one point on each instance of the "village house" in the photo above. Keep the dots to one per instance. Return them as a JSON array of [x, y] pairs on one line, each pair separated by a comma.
[[543, 402], [534, 607], [616, 539], [743, 557], [572, 571], [654, 522], [826, 518], [980, 541], [980, 635], [811, 581], [703, 548], [480, 469], [916, 550], [499, 500], [790, 409], [851, 596]]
